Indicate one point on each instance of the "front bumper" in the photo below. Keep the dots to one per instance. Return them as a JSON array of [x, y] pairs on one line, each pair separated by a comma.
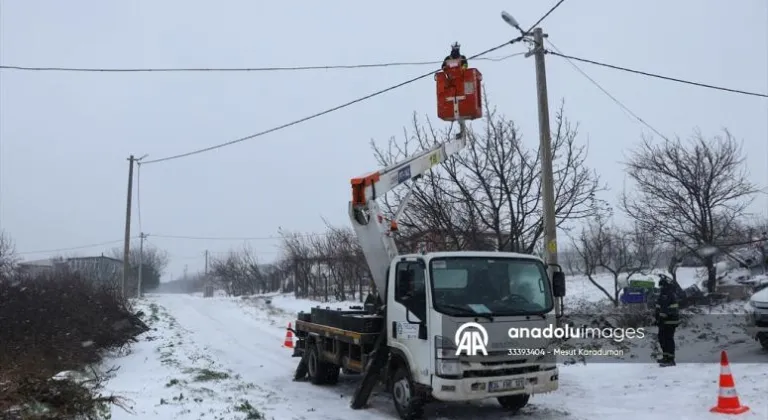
[[468, 389], [757, 322]]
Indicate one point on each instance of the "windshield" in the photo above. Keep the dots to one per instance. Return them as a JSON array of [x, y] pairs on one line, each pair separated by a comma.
[[470, 286]]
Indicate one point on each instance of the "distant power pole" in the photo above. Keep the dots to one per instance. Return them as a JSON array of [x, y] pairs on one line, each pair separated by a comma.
[[206, 265], [127, 245], [142, 236]]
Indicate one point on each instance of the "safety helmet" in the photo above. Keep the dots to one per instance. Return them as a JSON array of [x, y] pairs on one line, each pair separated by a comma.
[[664, 281]]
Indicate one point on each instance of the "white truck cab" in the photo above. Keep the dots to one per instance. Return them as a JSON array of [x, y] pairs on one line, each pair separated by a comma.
[[435, 294]]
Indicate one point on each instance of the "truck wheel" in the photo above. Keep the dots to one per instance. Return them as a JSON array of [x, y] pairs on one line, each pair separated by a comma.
[[513, 403], [316, 368], [408, 405], [763, 338]]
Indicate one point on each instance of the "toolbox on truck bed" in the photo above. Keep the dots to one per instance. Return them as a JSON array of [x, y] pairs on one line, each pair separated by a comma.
[[363, 323], [353, 320]]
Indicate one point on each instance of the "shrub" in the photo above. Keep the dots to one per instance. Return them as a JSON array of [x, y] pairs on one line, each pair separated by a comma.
[[54, 323]]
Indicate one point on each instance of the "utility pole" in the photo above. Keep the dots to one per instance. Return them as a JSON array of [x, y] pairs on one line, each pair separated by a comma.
[[142, 236], [545, 146], [207, 283], [545, 149], [127, 245]]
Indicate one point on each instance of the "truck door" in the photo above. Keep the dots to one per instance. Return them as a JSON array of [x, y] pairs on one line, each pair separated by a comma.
[[408, 327]]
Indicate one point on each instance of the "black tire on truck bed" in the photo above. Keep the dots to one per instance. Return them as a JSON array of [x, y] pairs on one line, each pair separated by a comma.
[[320, 372], [315, 367]]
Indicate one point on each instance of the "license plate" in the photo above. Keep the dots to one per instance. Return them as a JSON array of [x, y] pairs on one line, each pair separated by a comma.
[[505, 385]]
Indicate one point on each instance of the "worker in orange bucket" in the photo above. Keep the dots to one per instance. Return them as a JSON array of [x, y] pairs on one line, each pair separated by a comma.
[[455, 59]]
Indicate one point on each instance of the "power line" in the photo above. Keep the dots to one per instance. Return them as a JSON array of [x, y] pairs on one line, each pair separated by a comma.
[[361, 99], [47, 251], [613, 98], [658, 76], [238, 238], [236, 69], [321, 113], [213, 255], [546, 15]]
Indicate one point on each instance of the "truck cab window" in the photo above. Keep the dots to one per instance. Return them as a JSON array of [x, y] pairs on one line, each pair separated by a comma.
[[410, 288], [463, 286]]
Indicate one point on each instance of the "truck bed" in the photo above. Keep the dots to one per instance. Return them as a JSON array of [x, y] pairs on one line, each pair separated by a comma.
[[345, 338], [357, 325]]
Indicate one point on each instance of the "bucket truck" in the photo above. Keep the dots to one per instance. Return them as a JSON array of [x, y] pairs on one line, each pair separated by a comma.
[[406, 338]]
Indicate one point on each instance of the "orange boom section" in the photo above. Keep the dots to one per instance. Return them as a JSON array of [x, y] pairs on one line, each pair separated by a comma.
[[462, 87], [360, 184]]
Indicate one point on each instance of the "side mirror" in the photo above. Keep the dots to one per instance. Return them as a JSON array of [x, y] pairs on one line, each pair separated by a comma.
[[422, 331], [422, 325], [558, 284]]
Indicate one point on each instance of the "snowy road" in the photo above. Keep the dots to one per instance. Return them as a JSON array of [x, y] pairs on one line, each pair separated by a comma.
[[238, 342]]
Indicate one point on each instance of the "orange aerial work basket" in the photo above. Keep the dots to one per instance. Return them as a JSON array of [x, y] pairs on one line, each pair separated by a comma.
[[459, 94]]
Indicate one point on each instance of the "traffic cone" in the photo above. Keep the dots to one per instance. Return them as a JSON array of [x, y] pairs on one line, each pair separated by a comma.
[[727, 398], [288, 343]]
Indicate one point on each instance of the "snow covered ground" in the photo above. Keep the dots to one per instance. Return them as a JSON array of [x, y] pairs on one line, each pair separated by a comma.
[[222, 358]]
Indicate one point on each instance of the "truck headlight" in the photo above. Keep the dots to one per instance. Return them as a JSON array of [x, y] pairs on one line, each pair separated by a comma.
[[446, 367], [446, 361]]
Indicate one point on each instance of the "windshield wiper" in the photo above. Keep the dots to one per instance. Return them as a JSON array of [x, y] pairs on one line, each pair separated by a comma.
[[465, 311]]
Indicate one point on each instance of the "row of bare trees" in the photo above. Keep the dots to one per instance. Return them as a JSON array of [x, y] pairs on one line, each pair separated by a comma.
[[240, 273], [328, 266], [683, 195]]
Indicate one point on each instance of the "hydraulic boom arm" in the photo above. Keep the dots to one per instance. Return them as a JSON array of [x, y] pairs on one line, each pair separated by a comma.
[[373, 231]]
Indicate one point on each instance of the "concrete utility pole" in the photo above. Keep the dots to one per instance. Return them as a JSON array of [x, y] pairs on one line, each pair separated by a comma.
[[545, 139], [142, 236], [128, 206], [127, 245]]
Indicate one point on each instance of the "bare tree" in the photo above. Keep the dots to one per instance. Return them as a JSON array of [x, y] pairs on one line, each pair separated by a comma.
[[239, 273], [298, 257], [8, 256], [492, 190], [327, 265], [153, 262], [605, 247], [690, 193]]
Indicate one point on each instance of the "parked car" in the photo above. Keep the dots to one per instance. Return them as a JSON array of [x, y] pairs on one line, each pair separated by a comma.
[[757, 316]]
